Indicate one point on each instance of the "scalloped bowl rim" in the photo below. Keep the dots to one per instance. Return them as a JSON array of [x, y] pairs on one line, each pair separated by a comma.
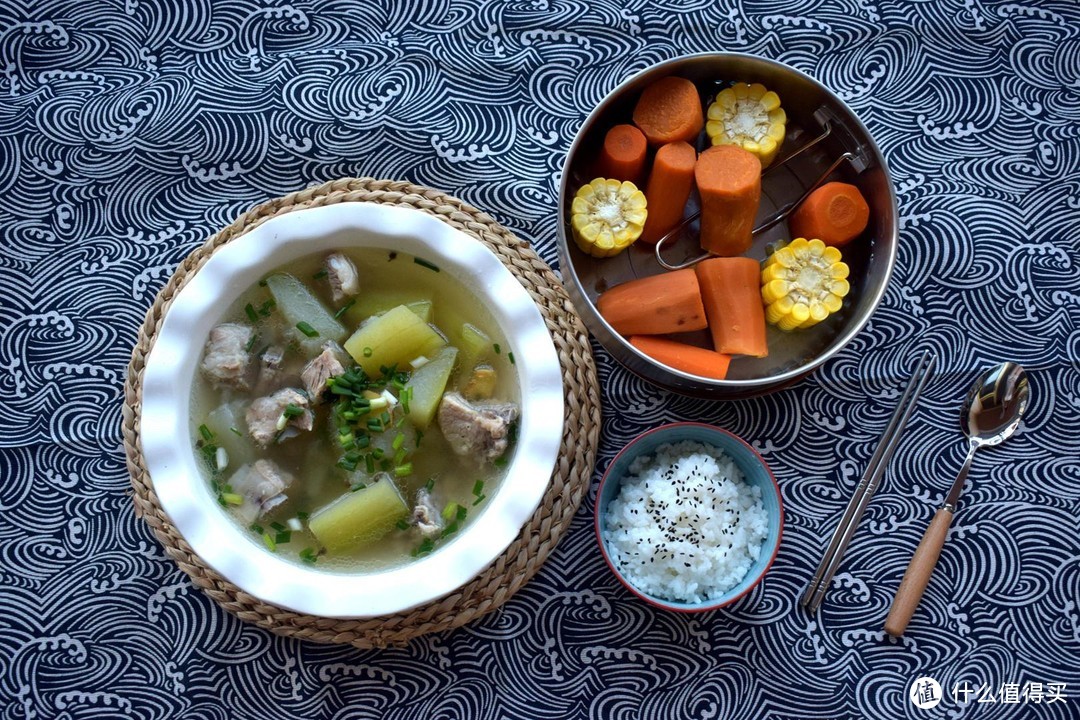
[[166, 426], [743, 454]]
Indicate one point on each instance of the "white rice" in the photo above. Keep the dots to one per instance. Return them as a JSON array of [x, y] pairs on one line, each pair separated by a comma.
[[685, 525]]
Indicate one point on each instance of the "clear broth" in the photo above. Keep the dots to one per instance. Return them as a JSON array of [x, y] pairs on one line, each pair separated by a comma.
[[311, 457]]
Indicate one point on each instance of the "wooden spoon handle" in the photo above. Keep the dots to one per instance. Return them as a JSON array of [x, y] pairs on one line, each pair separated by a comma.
[[918, 573]]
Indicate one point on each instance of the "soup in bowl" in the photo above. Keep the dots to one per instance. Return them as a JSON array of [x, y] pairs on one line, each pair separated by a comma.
[[351, 410]]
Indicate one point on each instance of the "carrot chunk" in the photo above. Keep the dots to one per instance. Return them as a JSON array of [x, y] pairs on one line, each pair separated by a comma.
[[669, 187], [688, 358], [623, 154], [731, 291], [729, 181], [836, 213], [669, 110], [656, 305]]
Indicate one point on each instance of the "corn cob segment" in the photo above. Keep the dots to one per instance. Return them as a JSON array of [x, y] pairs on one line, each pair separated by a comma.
[[607, 216], [803, 283], [748, 116]]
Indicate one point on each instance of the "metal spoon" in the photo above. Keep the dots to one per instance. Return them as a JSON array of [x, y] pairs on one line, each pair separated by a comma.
[[995, 405]]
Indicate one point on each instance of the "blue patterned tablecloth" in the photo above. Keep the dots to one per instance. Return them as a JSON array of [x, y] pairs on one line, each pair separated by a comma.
[[130, 131]]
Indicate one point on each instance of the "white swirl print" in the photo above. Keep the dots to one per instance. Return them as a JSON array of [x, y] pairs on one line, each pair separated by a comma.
[[130, 132]]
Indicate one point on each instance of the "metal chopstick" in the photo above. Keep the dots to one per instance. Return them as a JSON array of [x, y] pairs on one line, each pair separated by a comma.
[[868, 485]]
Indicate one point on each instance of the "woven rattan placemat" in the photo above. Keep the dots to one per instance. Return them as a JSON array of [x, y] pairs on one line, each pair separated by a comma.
[[569, 482]]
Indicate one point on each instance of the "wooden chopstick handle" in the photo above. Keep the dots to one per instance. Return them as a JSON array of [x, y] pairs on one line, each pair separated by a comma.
[[918, 573]]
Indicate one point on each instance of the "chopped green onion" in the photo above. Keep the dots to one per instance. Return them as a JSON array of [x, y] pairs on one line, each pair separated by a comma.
[[403, 470], [406, 397], [209, 453], [479, 499], [497, 348], [430, 484], [424, 263], [253, 316], [346, 465], [375, 425], [402, 524], [424, 548], [306, 328], [478, 487], [399, 440], [344, 309], [320, 275], [266, 307], [206, 433], [269, 542], [302, 516], [399, 456], [256, 528], [277, 526], [369, 464], [367, 352], [232, 499], [292, 411], [500, 462], [236, 432], [454, 514], [283, 537], [511, 356], [419, 437], [309, 556], [251, 342], [357, 486]]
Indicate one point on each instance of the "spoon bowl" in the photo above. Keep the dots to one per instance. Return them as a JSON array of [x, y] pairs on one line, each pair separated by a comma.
[[996, 403]]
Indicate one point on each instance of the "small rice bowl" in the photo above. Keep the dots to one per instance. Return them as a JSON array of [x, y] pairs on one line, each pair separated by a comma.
[[685, 526]]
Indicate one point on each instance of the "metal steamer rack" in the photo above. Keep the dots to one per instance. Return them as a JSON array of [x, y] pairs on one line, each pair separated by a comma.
[[855, 157], [824, 141]]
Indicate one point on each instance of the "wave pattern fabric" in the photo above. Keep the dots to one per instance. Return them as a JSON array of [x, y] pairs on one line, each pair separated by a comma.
[[130, 131]]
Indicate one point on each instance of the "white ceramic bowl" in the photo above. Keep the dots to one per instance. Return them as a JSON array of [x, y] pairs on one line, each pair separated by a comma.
[[167, 429]]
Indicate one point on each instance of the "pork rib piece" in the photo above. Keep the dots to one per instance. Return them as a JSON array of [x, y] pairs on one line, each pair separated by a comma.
[[266, 414], [226, 357], [341, 273], [481, 430], [262, 485]]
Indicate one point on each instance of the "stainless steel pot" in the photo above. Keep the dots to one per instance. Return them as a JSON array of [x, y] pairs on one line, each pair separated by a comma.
[[810, 108]]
